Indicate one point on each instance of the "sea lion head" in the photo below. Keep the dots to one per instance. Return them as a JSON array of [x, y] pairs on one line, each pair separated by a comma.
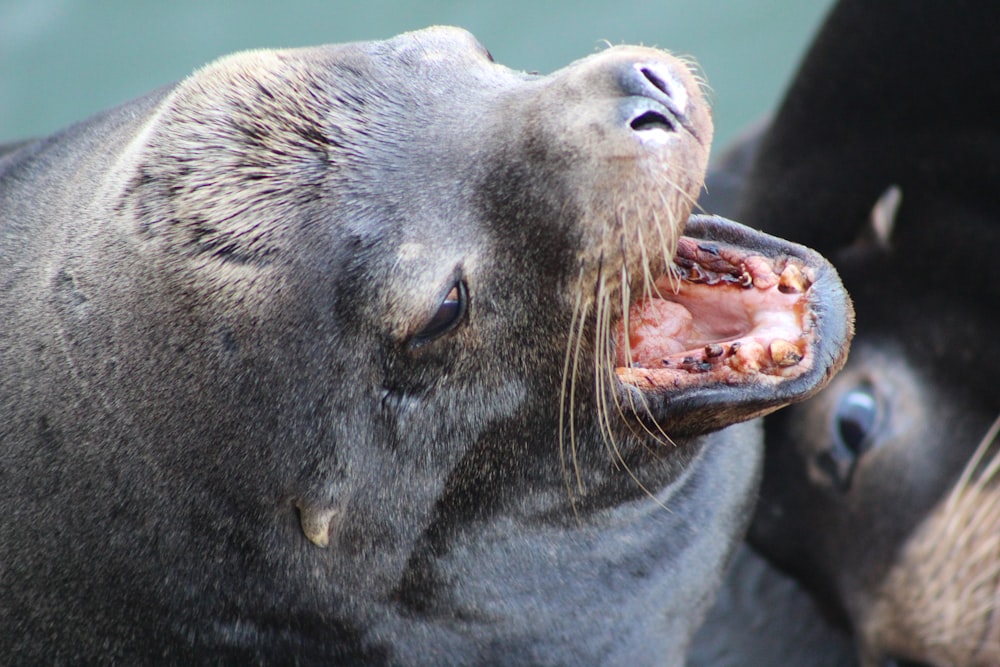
[[349, 329], [879, 493]]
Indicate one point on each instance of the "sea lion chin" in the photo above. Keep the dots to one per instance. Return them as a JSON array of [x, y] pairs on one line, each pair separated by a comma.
[[313, 356]]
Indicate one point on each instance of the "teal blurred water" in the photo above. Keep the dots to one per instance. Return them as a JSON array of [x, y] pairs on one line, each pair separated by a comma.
[[62, 60]]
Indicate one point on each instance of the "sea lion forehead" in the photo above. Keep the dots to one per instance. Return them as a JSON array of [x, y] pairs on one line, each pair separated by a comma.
[[438, 43]]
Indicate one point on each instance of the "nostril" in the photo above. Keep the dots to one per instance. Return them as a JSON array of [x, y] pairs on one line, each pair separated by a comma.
[[656, 99], [657, 82], [652, 120]]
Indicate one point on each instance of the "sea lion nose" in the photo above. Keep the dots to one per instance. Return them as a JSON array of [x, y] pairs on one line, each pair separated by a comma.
[[658, 99]]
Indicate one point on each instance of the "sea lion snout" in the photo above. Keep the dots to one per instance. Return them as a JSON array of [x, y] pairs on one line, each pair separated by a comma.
[[659, 95], [625, 134]]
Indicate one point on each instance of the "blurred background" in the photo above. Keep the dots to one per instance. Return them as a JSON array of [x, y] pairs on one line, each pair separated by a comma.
[[63, 60]]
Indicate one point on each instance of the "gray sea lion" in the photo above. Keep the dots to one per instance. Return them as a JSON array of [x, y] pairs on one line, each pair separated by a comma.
[[879, 493], [312, 358]]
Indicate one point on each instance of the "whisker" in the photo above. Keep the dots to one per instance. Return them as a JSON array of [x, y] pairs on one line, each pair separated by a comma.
[[994, 465], [673, 277], [674, 189], [605, 352], [578, 335], [975, 461], [628, 354], [603, 319], [572, 352]]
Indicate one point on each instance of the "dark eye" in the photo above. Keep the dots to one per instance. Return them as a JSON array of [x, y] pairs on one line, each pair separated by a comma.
[[902, 662], [857, 413], [854, 421], [449, 314]]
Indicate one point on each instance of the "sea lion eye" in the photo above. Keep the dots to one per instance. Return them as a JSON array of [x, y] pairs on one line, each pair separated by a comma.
[[448, 315], [902, 662], [856, 415], [854, 420]]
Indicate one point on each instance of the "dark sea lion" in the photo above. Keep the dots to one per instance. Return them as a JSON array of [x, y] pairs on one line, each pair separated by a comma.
[[878, 494], [761, 615], [313, 358]]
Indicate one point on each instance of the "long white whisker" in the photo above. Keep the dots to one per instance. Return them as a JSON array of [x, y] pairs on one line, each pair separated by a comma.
[[572, 350], [578, 335], [974, 462]]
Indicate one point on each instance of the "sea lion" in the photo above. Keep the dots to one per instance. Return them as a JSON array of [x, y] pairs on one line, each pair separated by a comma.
[[878, 493], [313, 357], [761, 615]]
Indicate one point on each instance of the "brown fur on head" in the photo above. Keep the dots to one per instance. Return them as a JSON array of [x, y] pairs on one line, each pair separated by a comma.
[[239, 150]]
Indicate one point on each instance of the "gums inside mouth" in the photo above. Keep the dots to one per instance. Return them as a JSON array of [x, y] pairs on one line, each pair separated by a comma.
[[725, 314]]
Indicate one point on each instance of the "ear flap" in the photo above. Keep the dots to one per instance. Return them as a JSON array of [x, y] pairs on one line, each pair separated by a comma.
[[317, 521], [877, 234], [882, 219]]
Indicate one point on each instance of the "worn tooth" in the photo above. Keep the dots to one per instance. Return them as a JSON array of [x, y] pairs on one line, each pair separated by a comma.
[[745, 279], [713, 350], [746, 356], [784, 354], [316, 522], [792, 280]]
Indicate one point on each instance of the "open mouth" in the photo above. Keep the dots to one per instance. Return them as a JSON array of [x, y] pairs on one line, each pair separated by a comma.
[[741, 309]]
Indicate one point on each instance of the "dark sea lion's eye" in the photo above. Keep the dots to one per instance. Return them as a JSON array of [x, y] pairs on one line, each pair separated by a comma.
[[854, 420], [449, 314], [902, 662], [857, 413]]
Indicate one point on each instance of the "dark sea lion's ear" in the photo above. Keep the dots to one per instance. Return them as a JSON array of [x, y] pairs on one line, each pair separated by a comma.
[[874, 239], [897, 92]]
